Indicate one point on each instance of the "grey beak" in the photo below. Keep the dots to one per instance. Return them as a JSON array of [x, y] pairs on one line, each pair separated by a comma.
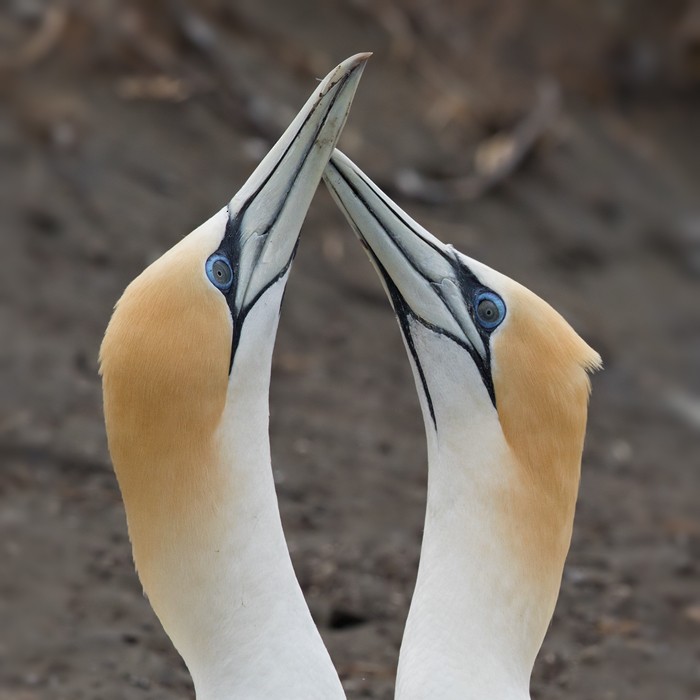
[[266, 215]]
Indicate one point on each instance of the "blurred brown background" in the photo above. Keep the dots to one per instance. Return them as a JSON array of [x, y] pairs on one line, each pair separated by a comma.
[[557, 141]]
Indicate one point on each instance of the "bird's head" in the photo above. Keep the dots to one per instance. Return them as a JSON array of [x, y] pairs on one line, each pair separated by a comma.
[[203, 318], [501, 375]]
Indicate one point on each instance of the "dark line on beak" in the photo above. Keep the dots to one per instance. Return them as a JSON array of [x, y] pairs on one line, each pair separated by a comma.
[[403, 312], [234, 223], [462, 276]]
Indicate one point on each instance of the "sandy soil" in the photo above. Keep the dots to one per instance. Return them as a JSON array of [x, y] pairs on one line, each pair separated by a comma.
[[102, 168]]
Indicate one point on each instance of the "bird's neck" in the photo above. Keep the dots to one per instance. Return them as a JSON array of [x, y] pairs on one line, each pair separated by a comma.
[[491, 562], [211, 554], [468, 635]]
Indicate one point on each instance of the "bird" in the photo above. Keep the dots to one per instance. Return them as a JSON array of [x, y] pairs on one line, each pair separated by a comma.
[[503, 383], [185, 365]]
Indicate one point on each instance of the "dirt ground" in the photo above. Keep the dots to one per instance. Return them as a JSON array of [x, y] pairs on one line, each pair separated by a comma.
[[122, 128]]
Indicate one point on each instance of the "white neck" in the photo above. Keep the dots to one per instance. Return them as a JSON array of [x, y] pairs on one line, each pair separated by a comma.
[[463, 637], [237, 614], [474, 627]]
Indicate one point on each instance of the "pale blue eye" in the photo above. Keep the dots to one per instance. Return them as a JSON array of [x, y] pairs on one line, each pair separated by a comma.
[[219, 272], [489, 310]]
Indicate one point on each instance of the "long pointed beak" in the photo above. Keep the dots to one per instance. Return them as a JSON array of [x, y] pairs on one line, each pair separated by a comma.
[[265, 216], [424, 278]]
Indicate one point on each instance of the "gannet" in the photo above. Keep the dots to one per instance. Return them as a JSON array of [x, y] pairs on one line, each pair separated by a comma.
[[185, 366], [503, 385]]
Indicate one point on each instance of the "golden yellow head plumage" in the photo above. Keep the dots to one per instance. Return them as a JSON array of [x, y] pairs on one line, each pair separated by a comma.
[[165, 356], [540, 369], [165, 363], [540, 373]]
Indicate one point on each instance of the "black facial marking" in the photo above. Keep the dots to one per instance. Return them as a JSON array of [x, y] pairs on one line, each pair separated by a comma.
[[403, 313], [231, 245], [231, 242], [468, 283]]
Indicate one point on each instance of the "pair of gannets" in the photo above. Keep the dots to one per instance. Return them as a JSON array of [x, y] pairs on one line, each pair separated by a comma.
[[503, 387]]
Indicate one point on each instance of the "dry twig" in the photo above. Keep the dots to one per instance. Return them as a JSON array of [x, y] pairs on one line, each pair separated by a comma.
[[495, 159], [42, 42]]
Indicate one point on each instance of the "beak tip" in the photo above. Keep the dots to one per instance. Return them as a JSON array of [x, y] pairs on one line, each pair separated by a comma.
[[344, 70], [349, 64], [362, 56]]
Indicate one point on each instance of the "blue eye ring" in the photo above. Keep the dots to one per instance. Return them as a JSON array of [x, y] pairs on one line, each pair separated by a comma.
[[489, 310], [219, 272]]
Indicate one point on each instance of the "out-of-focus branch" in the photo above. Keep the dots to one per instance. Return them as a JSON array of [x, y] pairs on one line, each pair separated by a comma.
[[42, 42], [495, 159]]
